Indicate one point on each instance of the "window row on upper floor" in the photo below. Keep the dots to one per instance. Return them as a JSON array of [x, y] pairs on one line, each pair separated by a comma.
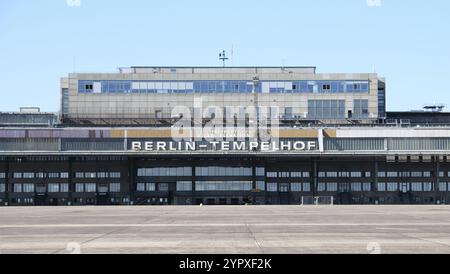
[[92, 86]]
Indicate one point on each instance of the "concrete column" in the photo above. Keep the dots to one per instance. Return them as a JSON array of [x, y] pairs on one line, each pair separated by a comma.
[[314, 176], [7, 182], [131, 178], [70, 179], [320, 140], [437, 179]]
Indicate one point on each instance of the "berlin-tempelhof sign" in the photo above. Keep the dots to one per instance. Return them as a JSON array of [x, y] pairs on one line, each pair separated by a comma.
[[243, 128]]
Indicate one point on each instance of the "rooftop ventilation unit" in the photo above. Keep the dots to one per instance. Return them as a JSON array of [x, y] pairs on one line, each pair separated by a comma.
[[30, 110]]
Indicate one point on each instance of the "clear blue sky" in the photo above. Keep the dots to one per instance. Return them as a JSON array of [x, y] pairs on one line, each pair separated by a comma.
[[406, 41]]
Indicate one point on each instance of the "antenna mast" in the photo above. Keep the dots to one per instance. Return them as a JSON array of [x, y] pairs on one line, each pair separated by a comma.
[[223, 57]]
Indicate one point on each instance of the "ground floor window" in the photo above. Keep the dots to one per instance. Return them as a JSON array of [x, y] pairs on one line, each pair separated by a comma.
[[416, 187], [321, 187], [17, 188], [90, 187], [79, 188], [53, 188], [64, 188], [367, 187], [146, 187], [114, 187], [357, 187], [392, 187], [272, 187], [306, 187], [224, 186], [332, 187], [184, 186], [296, 187], [2, 188], [427, 186], [261, 185]]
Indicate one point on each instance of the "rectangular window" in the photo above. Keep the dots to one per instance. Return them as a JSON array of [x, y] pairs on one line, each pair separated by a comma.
[[184, 186], [261, 185], [102, 175], [163, 187], [79, 188], [361, 108], [296, 174], [332, 174], [392, 187], [356, 174], [326, 109], [53, 188], [416, 187], [17, 175], [28, 188], [224, 186], [272, 187], [272, 174], [283, 174], [114, 175], [426, 174], [17, 188], [28, 175], [296, 187], [90, 188], [79, 175], [381, 174], [2, 188], [260, 171], [406, 174], [321, 187], [332, 187], [164, 172], [140, 187], [306, 187], [427, 186], [90, 175], [114, 187], [326, 87], [367, 187], [64, 188], [2, 175], [150, 187], [344, 174], [357, 187], [443, 187], [416, 174], [53, 175], [392, 174], [40, 175], [381, 187], [64, 175]]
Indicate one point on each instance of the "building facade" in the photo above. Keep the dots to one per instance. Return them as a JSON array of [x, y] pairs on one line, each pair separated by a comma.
[[118, 141], [148, 95], [355, 165]]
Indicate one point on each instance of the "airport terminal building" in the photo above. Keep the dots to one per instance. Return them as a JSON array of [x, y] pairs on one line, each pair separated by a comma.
[[288, 134]]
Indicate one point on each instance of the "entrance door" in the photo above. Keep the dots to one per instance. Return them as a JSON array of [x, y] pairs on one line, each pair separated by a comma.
[[404, 187], [284, 194], [41, 200], [103, 199], [344, 187]]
